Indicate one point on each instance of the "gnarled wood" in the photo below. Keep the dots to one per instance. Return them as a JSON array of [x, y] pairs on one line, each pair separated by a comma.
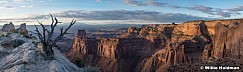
[[46, 36]]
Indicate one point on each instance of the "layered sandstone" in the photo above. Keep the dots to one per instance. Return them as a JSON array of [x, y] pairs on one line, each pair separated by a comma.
[[157, 48], [122, 52], [228, 40], [192, 27]]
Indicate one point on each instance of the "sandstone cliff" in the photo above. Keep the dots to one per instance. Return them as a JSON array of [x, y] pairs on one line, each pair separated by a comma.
[[228, 40], [158, 48], [124, 51], [193, 27]]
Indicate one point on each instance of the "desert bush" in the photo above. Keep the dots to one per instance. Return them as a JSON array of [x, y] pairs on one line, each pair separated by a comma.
[[79, 62], [16, 42]]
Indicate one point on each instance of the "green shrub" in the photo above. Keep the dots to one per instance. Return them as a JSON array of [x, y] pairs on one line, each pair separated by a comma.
[[79, 62], [1, 35], [16, 42]]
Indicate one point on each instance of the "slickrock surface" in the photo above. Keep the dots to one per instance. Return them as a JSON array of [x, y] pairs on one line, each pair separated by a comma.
[[164, 47], [27, 58]]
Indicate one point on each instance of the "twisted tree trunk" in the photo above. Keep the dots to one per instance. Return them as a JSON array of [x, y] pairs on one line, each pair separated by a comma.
[[46, 36]]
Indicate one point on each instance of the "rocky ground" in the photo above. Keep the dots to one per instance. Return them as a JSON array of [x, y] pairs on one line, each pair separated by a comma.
[[28, 58]]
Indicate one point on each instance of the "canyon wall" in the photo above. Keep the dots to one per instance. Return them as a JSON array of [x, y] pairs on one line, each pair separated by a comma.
[[155, 48], [193, 27], [228, 40]]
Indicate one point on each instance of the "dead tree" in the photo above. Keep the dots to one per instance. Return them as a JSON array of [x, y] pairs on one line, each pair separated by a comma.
[[47, 38]]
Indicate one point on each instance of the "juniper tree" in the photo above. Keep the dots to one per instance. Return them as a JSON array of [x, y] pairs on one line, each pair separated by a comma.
[[47, 36]]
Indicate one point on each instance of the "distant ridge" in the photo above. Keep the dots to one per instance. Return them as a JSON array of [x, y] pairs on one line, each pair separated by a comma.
[[213, 20]]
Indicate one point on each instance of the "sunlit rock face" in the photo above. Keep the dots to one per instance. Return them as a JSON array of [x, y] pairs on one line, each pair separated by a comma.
[[159, 48], [114, 54], [193, 27], [228, 40]]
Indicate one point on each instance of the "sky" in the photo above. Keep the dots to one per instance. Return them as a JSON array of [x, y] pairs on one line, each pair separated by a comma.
[[118, 11]]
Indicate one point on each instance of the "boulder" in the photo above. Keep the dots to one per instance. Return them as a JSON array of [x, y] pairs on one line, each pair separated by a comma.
[[8, 27], [22, 26], [22, 29]]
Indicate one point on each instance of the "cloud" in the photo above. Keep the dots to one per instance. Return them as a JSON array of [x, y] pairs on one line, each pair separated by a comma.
[[134, 3], [18, 0], [154, 3], [224, 13], [40, 1], [121, 16], [3, 1], [236, 9], [212, 11], [201, 8], [27, 6], [98, 1], [21, 4], [7, 7], [144, 3], [173, 6]]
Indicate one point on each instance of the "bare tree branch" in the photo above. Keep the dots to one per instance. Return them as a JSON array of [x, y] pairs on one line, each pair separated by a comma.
[[46, 39], [62, 34], [39, 34]]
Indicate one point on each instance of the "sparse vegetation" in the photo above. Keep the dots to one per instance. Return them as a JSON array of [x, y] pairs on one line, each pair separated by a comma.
[[79, 62], [46, 36]]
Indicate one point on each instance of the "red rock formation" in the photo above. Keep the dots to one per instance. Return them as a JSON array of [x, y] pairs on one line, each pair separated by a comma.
[[192, 27], [157, 48], [207, 52], [228, 40], [163, 58], [124, 53]]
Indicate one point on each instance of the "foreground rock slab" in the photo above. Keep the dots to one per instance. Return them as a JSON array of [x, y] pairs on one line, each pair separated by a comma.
[[25, 58]]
